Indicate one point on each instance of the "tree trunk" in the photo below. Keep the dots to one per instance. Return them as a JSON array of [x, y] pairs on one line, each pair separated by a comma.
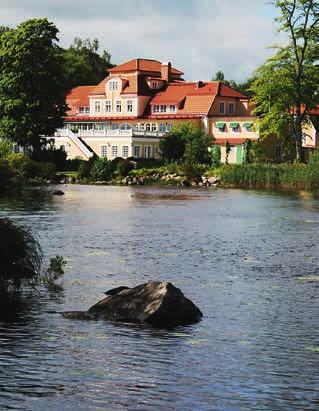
[[298, 137]]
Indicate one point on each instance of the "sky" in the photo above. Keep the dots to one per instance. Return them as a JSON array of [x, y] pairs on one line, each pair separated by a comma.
[[197, 36]]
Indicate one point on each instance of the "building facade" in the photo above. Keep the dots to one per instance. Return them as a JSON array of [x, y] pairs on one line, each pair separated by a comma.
[[139, 101]]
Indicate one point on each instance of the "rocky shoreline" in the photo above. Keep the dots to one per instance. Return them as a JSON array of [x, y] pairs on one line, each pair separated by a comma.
[[171, 179]]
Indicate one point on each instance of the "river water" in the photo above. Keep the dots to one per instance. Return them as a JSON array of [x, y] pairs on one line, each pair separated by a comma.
[[248, 259]]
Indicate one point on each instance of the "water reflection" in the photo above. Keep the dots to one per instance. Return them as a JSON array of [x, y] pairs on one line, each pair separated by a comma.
[[246, 258]]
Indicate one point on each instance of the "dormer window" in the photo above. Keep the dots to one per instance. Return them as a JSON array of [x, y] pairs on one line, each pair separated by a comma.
[[172, 108], [97, 106], [231, 108], [84, 110], [113, 85], [222, 107], [154, 84]]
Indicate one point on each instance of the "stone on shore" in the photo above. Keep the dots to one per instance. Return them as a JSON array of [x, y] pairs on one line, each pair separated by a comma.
[[156, 303], [57, 193]]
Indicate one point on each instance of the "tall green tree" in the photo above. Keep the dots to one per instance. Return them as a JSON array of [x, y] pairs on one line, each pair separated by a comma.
[[32, 88], [83, 64], [186, 143], [287, 85]]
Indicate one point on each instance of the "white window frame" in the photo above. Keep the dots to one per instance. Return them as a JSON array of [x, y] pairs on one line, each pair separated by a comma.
[[162, 127], [129, 106], [113, 85], [108, 106], [97, 106], [87, 110], [169, 126], [125, 151], [231, 104], [154, 85], [81, 110], [153, 127], [114, 151], [156, 109], [148, 151], [118, 106], [137, 147], [172, 108], [163, 108], [103, 151]]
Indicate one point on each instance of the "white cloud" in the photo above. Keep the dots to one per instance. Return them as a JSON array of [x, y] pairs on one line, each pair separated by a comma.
[[198, 36]]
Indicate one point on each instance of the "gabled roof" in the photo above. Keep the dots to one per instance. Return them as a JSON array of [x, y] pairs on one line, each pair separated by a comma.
[[149, 66], [227, 91], [78, 96]]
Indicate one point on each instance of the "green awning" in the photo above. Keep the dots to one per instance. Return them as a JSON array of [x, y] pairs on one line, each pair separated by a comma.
[[220, 125], [233, 125], [247, 125]]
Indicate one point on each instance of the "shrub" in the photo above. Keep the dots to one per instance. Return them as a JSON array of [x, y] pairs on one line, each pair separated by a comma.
[[215, 153], [6, 175], [5, 148], [21, 257], [124, 167], [49, 154], [54, 272], [34, 170], [101, 170]]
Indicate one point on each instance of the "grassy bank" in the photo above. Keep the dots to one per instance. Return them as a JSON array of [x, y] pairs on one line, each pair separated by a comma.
[[270, 176]]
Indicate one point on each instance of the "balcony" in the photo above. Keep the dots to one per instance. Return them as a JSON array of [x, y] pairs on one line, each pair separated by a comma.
[[110, 133]]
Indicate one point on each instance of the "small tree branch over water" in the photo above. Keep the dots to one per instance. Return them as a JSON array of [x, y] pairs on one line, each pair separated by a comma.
[[287, 85]]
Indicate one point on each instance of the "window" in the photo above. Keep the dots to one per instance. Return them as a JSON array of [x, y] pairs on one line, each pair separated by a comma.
[[148, 127], [153, 84], [169, 126], [118, 106], [113, 85], [162, 127], [16, 149], [234, 127], [125, 151], [142, 127], [222, 107], [172, 108], [130, 106], [153, 127], [84, 110], [137, 151], [163, 109], [114, 126], [148, 151], [114, 151], [103, 151], [126, 126], [108, 106], [97, 106], [248, 127], [231, 108], [278, 153], [156, 109], [220, 126]]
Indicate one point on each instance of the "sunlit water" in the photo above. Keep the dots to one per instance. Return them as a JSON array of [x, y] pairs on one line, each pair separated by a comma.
[[248, 259]]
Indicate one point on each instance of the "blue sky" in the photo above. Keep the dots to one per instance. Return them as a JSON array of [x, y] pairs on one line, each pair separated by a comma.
[[197, 36]]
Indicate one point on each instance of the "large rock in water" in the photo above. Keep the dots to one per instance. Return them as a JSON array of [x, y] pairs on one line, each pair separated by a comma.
[[156, 303]]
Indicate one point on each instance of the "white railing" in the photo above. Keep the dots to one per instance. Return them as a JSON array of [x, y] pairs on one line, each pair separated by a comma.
[[65, 132]]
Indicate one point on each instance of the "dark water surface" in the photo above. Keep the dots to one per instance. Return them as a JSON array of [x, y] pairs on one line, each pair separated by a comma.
[[249, 260]]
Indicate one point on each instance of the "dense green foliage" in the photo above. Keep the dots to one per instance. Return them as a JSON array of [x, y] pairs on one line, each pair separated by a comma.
[[83, 64], [215, 153], [274, 176], [101, 170], [32, 87], [286, 87], [186, 143], [21, 258]]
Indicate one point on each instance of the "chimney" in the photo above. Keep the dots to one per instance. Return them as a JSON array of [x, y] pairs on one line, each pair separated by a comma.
[[166, 71], [199, 84]]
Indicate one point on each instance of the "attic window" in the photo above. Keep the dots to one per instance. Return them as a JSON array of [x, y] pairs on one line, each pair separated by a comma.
[[154, 84], [231, 108], [113, 85], [172, 108]]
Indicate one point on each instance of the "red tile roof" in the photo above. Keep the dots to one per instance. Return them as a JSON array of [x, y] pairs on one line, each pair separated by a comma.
[[150, 66], [227, 91], [78, 96], [233, 141]]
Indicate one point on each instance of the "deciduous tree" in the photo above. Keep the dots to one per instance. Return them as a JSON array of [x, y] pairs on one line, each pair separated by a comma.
[[287, 85], [32, 89]]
